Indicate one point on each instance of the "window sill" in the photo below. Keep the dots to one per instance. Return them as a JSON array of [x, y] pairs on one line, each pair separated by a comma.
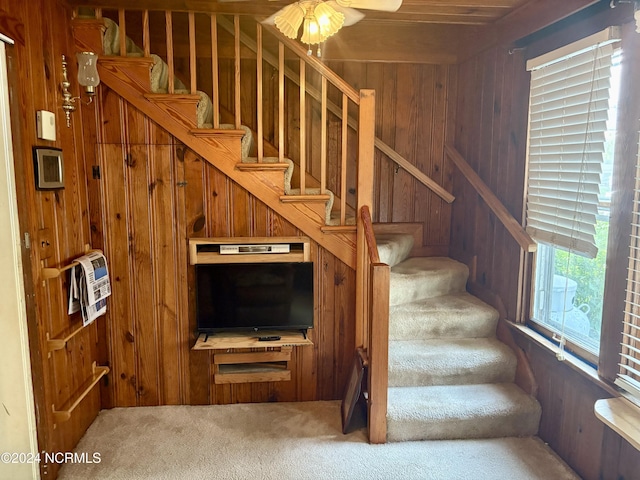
[[621, 416], [618, 413], [570, 360]]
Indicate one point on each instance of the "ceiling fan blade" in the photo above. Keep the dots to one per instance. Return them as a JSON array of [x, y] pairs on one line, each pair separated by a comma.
[[351, 15], [381, 5], [269, 20]]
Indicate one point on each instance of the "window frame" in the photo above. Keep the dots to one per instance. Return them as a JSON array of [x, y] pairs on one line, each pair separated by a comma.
[[623, 180]]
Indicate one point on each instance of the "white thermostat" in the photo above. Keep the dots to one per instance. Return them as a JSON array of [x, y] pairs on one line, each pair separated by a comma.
[[46, 125]]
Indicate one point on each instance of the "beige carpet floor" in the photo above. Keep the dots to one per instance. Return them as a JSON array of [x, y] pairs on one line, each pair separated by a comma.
[[288, 441]]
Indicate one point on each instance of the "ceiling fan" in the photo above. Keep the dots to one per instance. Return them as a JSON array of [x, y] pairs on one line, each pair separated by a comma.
[[320, 19]]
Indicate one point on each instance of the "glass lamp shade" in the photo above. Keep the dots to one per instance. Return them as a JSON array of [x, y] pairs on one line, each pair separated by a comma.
[[329, 21], [311, 34], [87, 71], [290, 19]]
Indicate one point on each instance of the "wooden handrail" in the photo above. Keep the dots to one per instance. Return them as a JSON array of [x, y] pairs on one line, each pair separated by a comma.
[[512, 226], [317, 65], [337, 111], [370, 237]]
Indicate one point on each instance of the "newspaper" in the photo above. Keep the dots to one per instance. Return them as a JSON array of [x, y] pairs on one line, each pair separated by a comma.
[[89, 286]]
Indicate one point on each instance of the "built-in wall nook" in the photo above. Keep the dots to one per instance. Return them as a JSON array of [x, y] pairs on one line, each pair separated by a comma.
[[254, 303]]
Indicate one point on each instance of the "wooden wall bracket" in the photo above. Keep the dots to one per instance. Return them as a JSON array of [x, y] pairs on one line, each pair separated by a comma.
[[47, 273], [67, 409]]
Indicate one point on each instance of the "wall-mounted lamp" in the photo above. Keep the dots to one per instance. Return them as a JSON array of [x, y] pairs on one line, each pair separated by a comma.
[[87, 77]]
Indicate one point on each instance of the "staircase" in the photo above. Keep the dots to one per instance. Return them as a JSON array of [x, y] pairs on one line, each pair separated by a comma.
[[449, 377], [149, 83]]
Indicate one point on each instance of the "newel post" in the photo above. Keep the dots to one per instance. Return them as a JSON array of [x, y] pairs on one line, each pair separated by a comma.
[[366, 137]]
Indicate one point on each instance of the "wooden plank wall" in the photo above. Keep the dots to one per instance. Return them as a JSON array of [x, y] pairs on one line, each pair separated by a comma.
[[569, 425], [414, 115], [40, 29], [153, 195], [491, 134], [491, 130]]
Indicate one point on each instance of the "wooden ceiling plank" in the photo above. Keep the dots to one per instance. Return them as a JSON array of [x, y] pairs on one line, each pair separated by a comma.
[[528, 18]]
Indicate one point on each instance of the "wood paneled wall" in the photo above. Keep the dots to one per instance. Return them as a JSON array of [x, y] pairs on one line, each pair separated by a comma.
[[491, 134], [41, 30], [152, 196], [569, 424], [415, 115]]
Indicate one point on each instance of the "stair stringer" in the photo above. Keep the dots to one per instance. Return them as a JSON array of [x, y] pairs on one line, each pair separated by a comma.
[[129, 78]]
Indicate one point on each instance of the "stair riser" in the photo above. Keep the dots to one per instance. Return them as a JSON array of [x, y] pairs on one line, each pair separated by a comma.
[[406, 289], [393, 249], [490, 373], [519, 425], [410, 325]]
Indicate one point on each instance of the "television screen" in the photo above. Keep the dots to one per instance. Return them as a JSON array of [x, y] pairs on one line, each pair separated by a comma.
[[254, 296]]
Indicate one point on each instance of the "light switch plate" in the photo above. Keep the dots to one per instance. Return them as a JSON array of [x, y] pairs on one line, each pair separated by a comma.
[[46, 125]]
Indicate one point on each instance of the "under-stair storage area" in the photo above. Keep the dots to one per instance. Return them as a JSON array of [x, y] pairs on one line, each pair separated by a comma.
[[260, 355]]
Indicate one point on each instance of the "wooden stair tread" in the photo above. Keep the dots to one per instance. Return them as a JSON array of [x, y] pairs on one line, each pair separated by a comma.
[[305, 198], [214, 132], [174, 97], [253, 167], [338, 229], [116, 59]]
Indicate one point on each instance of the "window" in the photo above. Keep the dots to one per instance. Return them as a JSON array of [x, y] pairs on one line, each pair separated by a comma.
[[572, 117], [629, 372]]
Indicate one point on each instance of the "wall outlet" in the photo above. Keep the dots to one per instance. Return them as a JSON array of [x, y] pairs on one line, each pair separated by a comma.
[[46, 125]]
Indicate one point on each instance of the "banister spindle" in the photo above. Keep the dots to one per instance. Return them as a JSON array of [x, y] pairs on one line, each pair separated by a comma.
[[280, 102], [259, 93], [169, 30], [192, 51], [343, 167], [214, 72], [146, 42], [236, 32], [303, 126], [323, 137], [122, 31]]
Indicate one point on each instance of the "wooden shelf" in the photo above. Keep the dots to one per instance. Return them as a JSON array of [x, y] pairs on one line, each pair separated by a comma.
[[207, 250], [230, 340], [251, 373], [622, 417], [67, 409], [269, 365]]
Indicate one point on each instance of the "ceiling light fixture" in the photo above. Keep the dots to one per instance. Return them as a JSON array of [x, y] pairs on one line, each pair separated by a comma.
[[319, 21]]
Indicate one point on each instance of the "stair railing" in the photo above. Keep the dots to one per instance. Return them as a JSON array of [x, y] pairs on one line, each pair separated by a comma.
[[375, 298], [318, 88], [517, 232]]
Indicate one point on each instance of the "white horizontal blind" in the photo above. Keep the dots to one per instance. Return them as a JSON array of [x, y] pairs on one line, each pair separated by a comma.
[[629, 374], [567, 121]]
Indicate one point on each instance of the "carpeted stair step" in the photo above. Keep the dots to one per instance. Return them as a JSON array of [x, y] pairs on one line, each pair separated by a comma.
[[420, 278], [455, 361], [460, 411], [450, 316], [394, 248]]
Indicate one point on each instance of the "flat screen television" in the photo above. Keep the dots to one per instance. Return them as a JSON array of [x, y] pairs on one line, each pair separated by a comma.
[[254, 296]]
